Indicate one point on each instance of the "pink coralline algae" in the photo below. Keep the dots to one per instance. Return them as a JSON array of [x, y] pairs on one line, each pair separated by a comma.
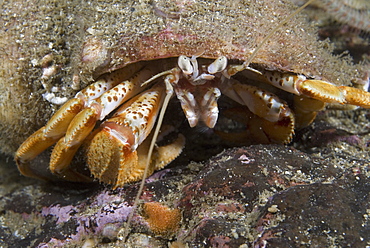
[[63, 214], [106, 212]]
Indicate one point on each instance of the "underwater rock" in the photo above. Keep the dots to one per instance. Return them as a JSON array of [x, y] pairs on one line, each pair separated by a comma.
[[260, 196]]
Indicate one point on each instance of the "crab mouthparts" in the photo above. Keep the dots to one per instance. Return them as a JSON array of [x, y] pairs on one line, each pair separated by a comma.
[[198, 90], [199, 102]]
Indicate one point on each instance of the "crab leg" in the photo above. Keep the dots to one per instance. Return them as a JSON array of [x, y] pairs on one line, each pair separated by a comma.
[[56, 127], [84, 122], [319, 89], [59, 124], [277, 120]]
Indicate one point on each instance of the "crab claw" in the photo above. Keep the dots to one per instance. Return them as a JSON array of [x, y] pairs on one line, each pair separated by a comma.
[[111, 159], [117, 152]]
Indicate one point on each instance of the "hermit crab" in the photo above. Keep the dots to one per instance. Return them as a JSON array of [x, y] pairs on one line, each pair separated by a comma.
[[196, 51]]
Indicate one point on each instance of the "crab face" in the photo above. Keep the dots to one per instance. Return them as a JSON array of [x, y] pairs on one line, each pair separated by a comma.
[[190, 53]]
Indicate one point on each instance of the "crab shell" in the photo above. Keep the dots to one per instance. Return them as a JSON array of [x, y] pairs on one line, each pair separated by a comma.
[[68, 45], [217, 28]]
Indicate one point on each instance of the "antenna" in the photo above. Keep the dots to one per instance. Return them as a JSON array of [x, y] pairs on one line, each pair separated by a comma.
[[169, 92]]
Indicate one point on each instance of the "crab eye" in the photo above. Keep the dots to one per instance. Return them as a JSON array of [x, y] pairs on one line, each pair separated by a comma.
[[185, 65], [218, 65]]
